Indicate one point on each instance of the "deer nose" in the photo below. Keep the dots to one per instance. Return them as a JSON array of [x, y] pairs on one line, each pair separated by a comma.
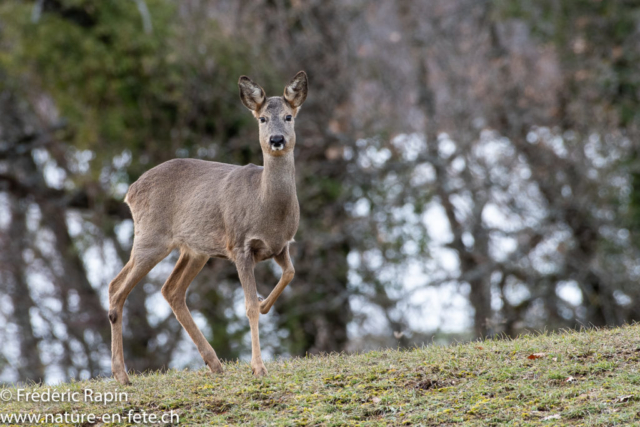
[[277, 142], [277, 139]]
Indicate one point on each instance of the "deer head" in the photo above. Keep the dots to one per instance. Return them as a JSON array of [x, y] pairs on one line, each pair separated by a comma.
[[276, 115]]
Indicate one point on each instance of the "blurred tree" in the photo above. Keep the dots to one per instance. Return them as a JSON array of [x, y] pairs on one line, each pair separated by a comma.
[[324, 38], [111, 100], [597, 49], [482, 151], [532, 199], [129, 100]]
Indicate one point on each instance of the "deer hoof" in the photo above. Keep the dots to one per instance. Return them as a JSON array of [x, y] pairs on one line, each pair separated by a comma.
[[259, 370], [122, 378], [215, 367]]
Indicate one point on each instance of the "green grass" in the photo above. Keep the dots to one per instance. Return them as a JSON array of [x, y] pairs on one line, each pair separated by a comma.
[[583, 378]]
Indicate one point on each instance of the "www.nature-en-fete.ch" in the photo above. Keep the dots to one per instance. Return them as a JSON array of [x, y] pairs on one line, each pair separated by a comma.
[[87, 395], [132, 417]]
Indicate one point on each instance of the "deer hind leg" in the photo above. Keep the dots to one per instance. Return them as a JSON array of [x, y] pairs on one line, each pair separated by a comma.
[[284, 261], [141, 262], [175, 291], [245, 266]]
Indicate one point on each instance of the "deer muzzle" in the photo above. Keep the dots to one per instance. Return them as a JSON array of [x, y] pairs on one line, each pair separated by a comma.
[[277, 142]]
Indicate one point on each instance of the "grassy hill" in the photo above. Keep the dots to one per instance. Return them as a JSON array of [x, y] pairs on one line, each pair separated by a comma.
[[571, 378]]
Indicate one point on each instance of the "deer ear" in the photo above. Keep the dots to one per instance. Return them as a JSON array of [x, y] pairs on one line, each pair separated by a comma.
[[251, 94], [296, 91]]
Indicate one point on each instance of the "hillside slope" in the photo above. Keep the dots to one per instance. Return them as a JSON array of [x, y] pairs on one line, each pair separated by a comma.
[[572, 378]]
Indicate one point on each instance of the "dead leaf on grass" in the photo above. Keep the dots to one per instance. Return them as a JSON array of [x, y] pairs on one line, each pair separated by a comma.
[[376, 400], [623, 399], [535, 356], [570, 380]]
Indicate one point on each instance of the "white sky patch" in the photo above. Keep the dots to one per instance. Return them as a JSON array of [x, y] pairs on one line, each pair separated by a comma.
[[570, 292], [374, 318], [157, 307], [370, 155], [458, 164], [80, 160], [442, 259], [124, 233], [557, 145], [439, 308], [74, 223], [446, 147], [622, 298], [122, 160], [411, 145], [494, 217], [437, 224], [120, 190], [33, 217], [54, 176], [361, 208], [547, 256], [515, 291], [492, 149], [100, 263], [5, 212], [500, 247], [201, 322], [423, 174]]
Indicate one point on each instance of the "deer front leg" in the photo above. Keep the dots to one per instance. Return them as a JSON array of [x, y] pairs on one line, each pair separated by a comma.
[[284, 261], [245, 266]]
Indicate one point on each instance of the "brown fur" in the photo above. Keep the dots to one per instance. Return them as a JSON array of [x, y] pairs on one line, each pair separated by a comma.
[[246, 214]]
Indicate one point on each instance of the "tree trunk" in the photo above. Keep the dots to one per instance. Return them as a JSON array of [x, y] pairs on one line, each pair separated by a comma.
[[30, 367]]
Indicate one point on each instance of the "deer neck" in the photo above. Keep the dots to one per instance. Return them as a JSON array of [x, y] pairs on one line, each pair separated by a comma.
[[278, 184]]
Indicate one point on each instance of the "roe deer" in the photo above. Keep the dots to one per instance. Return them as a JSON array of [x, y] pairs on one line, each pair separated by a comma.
[[246, 214]]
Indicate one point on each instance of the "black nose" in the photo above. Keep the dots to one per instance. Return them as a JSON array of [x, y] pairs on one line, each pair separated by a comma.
[[277, 140]]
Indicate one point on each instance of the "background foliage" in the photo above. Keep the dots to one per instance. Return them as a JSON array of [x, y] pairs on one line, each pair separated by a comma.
[[464, 169]]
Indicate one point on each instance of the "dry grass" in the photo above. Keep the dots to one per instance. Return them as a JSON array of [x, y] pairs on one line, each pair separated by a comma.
[[577, 378]]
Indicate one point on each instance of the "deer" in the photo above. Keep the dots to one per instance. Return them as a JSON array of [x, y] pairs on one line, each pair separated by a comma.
[[245, 214]]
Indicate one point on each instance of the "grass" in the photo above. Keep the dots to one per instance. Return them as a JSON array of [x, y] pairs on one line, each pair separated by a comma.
[[569, 378]]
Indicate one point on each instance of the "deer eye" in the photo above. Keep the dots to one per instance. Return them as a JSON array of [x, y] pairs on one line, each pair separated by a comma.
[[263, 120], [288, 118]]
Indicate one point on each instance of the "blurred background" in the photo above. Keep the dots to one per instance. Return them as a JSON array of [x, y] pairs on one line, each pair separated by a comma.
[[465, 169]]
